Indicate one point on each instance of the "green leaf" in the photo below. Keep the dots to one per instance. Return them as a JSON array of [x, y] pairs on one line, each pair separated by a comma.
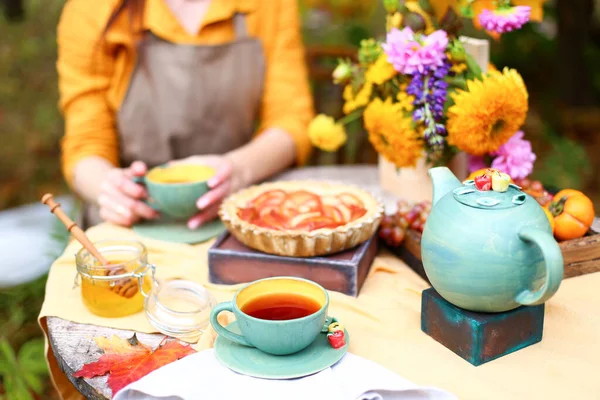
[[426, 6], [473, 68], [467, 11], [33, 382], [7, 353], [566, 165], [31, 357], [23, 372], [17, 389], [458, 82]]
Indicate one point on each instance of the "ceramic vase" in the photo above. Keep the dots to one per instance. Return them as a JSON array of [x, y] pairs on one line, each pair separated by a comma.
[[414, 184]]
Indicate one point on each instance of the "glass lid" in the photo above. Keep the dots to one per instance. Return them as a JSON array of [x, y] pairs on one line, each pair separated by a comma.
[[180, 309]]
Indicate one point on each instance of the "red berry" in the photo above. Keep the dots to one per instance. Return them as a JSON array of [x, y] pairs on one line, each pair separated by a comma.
[[402, 222], [417, 225], [404, 210], [537, 186], [544, 199], [385, 232], [397, 236], [418, 208], [411, 216], [388, 220], [424, 216]]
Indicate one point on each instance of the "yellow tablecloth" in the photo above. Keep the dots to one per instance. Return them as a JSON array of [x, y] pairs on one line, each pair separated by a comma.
[[384, 323]]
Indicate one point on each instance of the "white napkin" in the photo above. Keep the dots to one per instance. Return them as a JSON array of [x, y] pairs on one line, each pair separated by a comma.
[[201, 376]]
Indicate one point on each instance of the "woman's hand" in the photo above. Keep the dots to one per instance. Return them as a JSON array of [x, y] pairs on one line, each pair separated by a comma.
[[228, 178], [120, 199]]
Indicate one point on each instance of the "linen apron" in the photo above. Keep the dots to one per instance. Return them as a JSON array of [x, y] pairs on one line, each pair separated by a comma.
[[186, 100]]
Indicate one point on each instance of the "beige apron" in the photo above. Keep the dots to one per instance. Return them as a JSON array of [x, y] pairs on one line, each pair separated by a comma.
[[186, 100]]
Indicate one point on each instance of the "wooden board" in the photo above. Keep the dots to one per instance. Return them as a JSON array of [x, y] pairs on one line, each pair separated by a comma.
[[581, 256], [230, 262]]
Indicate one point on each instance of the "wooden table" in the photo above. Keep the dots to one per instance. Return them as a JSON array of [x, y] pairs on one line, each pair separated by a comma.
[[73, 343]]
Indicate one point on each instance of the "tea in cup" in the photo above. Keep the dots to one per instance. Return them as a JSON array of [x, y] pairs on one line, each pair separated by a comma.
[[280, 316], [174, 189]]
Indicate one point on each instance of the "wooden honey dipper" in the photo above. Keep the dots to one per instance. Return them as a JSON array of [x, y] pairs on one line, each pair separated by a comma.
[[127, 287]]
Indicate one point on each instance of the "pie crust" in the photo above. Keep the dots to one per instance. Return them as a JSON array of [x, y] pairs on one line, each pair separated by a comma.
[[302, 243]]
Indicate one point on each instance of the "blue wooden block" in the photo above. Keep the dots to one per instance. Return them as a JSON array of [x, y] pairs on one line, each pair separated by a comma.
[[480, 337]]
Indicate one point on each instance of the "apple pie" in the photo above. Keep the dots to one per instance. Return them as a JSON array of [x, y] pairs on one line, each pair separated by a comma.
[[301, 218]]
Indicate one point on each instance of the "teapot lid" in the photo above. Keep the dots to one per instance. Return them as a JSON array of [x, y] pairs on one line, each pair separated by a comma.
[[469, 195]]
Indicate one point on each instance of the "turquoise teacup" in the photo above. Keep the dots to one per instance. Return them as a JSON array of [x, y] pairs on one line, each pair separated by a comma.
[[174, 190], [276, 298]]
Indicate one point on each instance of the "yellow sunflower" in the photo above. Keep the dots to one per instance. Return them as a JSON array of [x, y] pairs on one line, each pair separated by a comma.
[[489, 113], [405, 101], [391, 133], [358, 100], [325, 134], [380, 71]]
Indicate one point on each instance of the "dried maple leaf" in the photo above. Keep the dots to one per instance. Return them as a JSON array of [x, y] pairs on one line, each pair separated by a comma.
[[128, 360]]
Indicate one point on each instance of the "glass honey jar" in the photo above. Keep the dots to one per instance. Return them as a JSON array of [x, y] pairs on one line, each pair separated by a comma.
[[118, 289]]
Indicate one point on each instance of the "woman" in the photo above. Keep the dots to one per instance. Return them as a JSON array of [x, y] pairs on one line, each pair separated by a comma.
[[144, 82]]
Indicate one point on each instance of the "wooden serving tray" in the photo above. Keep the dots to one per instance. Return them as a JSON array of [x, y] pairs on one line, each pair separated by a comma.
[[581, 256], [230, 262]]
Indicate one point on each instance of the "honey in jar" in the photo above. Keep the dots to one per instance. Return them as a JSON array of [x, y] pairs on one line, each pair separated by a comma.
[[118, 289]]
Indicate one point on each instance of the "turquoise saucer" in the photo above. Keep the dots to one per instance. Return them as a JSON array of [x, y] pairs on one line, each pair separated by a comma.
[[253, 362], [178, 232]]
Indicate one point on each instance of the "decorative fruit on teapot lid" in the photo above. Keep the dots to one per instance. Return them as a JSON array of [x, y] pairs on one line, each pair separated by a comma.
[[490, 190]]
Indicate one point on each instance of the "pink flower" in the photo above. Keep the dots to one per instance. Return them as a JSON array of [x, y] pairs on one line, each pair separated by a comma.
[[515, 157], [409, 53], [505, 19]]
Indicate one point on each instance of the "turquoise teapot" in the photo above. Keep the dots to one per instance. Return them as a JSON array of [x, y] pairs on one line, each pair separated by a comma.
[[487, 250]]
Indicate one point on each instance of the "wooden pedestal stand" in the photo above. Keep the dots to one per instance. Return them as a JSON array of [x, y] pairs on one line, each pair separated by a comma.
[[480, 337]]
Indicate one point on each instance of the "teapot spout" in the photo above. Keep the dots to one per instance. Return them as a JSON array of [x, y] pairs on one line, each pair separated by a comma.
[[444, 182]]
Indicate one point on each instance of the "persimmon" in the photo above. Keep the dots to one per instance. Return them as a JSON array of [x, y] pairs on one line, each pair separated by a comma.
[[573, 214]]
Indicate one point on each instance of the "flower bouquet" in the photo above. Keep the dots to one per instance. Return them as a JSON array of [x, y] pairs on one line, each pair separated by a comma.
[[423, 98]]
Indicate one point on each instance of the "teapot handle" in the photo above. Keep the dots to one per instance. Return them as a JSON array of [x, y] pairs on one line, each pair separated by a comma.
[[553, 261]]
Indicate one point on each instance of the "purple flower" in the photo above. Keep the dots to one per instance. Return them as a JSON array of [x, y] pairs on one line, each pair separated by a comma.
[[515, 157], [430, 93], [505, 19], [410, 53]]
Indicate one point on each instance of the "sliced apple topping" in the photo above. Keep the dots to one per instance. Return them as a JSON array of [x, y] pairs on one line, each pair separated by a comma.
[[302, 210]]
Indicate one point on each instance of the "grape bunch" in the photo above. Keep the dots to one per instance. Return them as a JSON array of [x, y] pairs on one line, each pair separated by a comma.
[[536, 190], [394, 226]]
